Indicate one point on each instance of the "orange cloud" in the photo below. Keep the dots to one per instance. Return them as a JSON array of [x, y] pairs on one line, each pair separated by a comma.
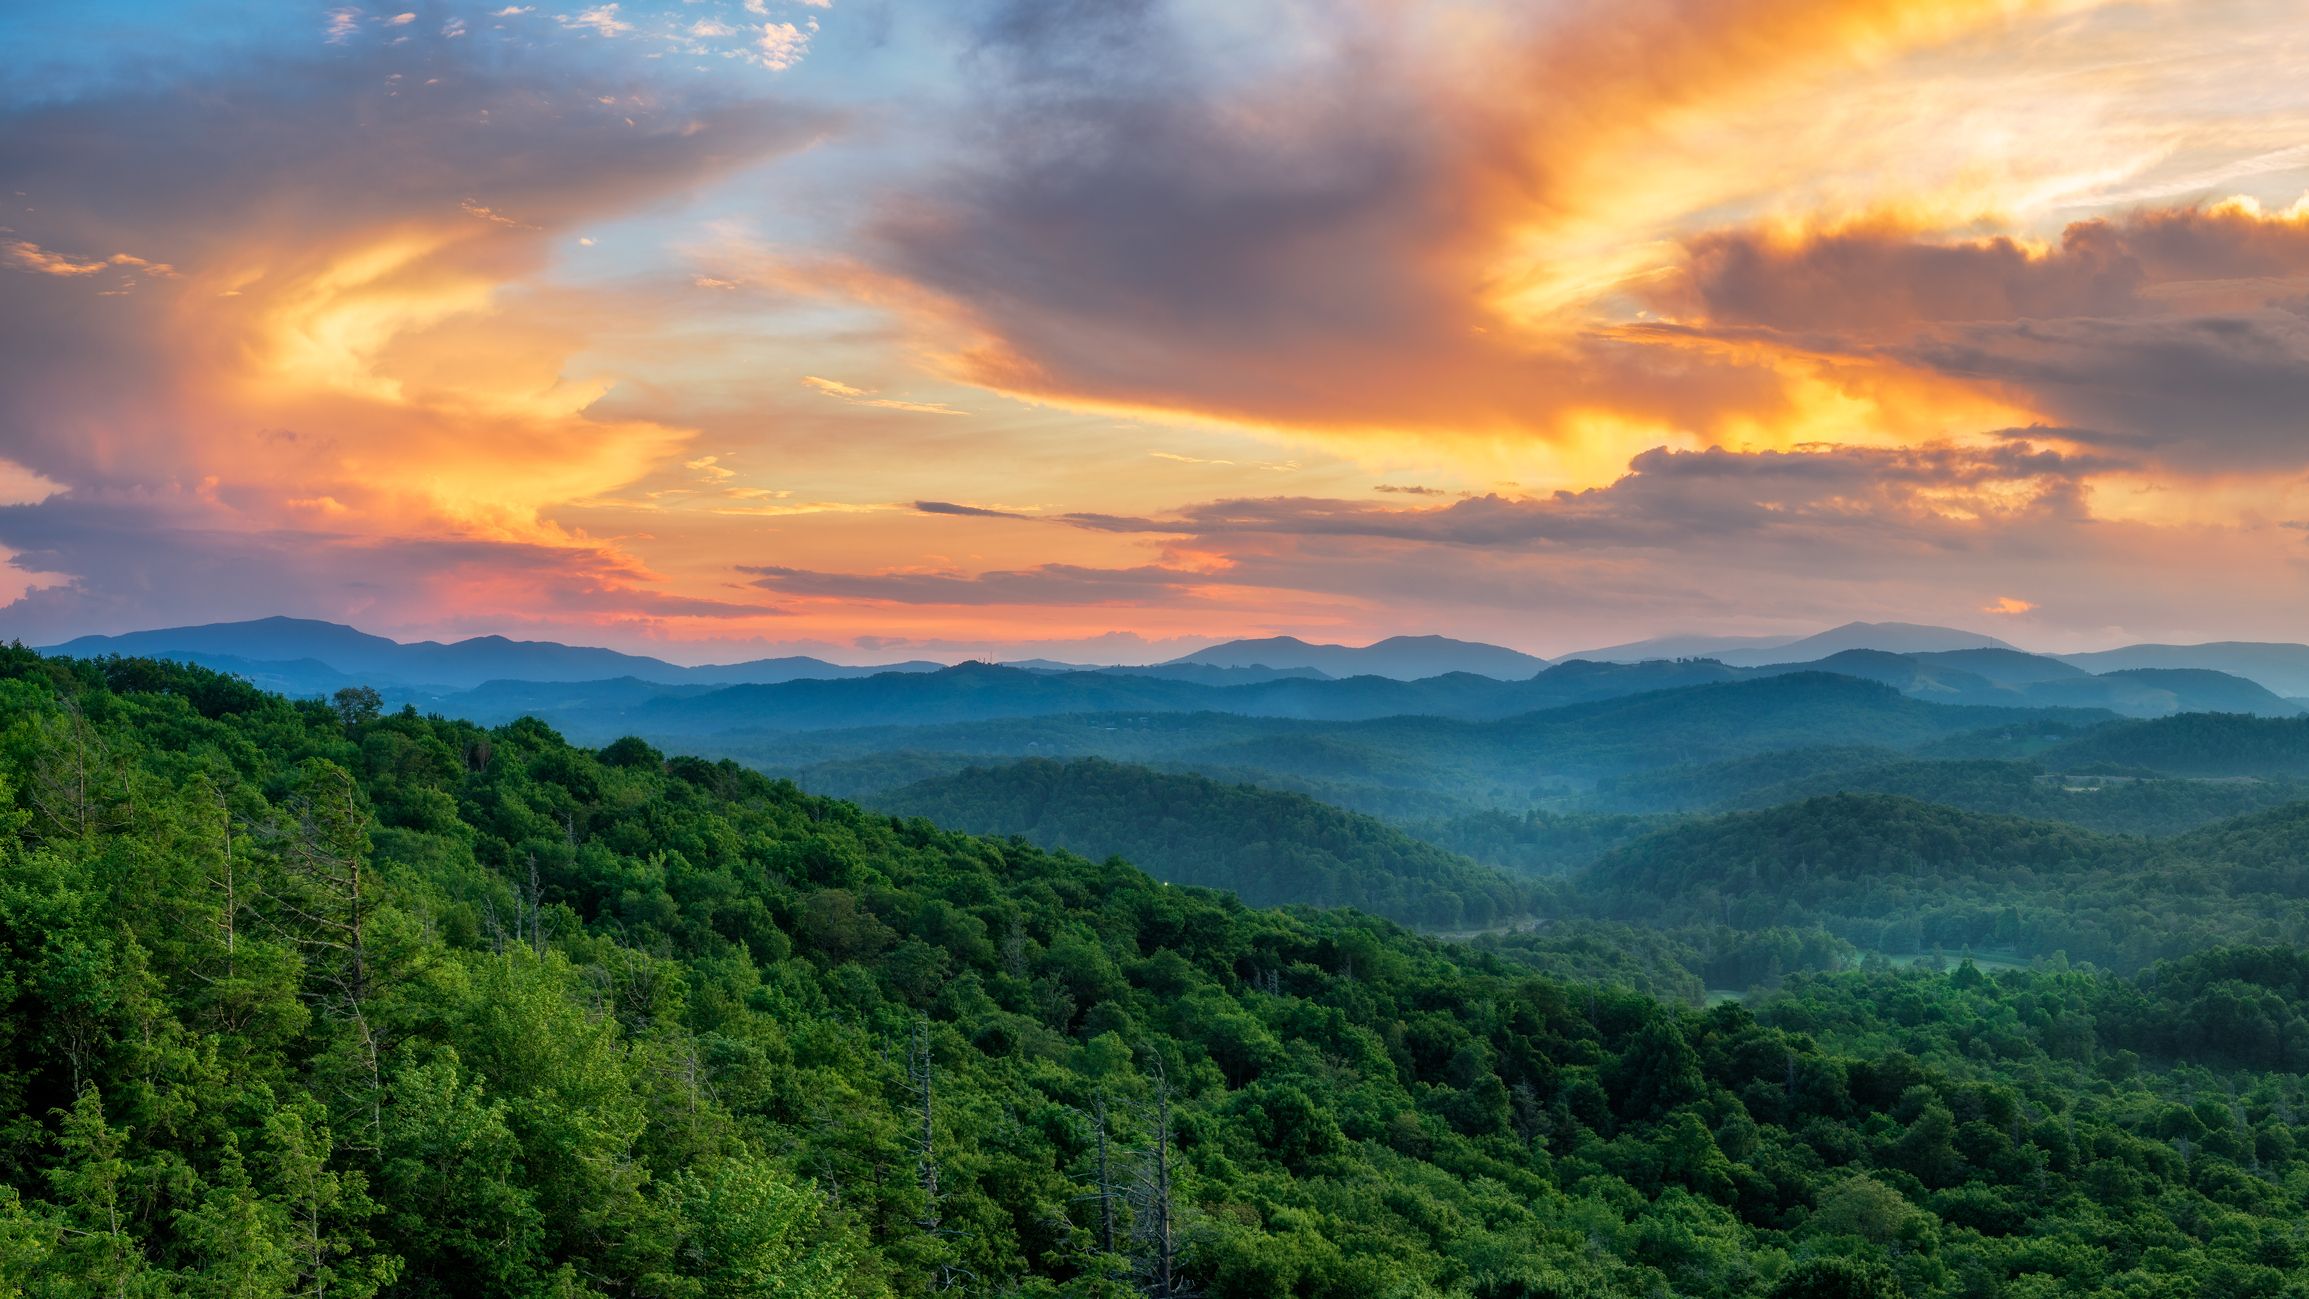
[[341, 343], [866, 397], [1837, 276], [1437, 244], [32, 257]]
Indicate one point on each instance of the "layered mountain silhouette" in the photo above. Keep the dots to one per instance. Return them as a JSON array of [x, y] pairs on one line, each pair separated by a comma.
[[1404, 658], [304, 655], [1755, 651], [589, 689], [2281, 667]]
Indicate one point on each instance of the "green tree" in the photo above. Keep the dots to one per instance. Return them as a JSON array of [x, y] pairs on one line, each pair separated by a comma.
[[99, 1255], [1837, 1278], [746, 1232]]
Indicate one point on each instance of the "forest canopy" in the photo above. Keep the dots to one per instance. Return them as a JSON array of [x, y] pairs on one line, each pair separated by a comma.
[[301, 999]]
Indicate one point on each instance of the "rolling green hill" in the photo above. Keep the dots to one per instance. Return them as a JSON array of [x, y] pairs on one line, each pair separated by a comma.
[[1903, 877], [309, 1000], [1512, 763], [2113, 804], [2194, 744], [1271, 848]]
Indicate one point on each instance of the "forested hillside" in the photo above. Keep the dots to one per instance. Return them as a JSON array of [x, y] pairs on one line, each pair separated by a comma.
[[2117, 804], [2194, 744], [1270, 848], [1899, 876], [1543, 843], [307, 1000], [1426, 767]]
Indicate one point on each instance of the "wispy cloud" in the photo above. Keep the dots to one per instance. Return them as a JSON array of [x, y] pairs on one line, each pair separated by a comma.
[[30, 256], [968, 511], [602, 20], [866, 397]]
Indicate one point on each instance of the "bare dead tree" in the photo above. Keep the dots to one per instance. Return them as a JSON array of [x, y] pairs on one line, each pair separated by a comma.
[[66, 775], [496, 927], [227, 880], [326, 900], [1106, 1191], [1154, 1199], [688, 1070], [325, 852], [533, 909], [921, 1080], [1014, 949]]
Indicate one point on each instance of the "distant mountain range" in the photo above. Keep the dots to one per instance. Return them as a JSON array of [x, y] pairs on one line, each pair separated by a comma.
[[2282, 668], [982, 692], [303, 655], [1404, 658], [1676, 647], [1757, 651], [592, 690]]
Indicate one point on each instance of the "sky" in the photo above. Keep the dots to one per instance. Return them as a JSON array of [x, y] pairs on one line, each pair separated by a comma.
[[1105, 329]]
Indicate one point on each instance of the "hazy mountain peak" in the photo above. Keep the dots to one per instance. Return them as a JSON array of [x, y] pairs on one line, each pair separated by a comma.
[[1404, 658], [285, 651], [1890, 637]]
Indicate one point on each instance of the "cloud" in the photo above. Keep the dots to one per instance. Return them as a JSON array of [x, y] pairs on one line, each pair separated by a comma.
[[1342, 239], [967, 511], [1707, 538], [833, 387], [601, 20], [149, 559], [1941, 496], [30, 256], [1065, 584], [334, 331], [866, 397], [781, 46], [1873, 279], [2179, 332], [1878, 278], [1870, 276], [2209, 394]]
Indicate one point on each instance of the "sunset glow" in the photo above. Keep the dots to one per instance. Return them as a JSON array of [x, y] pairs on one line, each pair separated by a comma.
[[718, 329]]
